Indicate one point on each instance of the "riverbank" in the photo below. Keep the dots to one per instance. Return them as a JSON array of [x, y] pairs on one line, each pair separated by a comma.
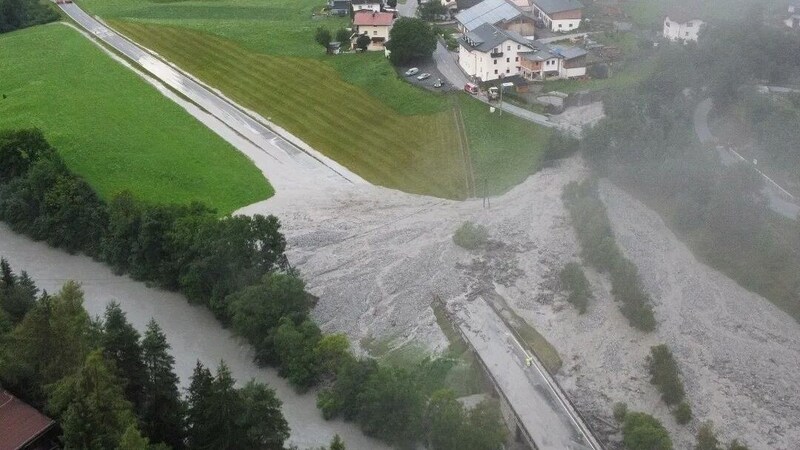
[[191, 330]]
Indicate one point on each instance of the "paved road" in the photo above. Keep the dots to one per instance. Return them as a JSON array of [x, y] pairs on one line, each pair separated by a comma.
[[540, 405], [448, 66], [291, 162], [780, 201]]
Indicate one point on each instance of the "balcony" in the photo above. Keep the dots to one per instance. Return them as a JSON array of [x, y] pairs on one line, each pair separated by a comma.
[[496, 54]]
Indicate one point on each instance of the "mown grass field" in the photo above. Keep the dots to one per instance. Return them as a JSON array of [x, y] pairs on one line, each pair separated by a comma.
[[414, 153], [505, 149], [113, 128]]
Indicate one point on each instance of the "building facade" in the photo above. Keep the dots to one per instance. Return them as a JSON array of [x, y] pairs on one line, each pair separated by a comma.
[[376, 25], [558, 15], [682, 29], [490, 53]]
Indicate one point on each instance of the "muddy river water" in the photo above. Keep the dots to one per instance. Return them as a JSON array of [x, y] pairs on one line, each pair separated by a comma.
[[192, 331]]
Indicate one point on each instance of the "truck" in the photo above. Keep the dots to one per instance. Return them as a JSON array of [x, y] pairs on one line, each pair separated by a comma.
[[494, 91]]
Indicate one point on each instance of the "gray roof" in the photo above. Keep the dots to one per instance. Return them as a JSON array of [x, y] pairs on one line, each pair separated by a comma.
[[542, 52], [487, 36], [487, 11], [556, 6], [467, 4]]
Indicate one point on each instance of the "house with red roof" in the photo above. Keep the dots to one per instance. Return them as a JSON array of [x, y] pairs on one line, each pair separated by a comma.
[[22, 427], [376, 25]]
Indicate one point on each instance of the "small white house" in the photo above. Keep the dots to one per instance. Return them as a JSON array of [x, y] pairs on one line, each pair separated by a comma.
[[488, 52], [368, 5], [682, 28]]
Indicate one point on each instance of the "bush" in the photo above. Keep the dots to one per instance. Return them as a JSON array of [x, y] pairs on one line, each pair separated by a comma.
[[560, 145], [620, 411], [471, 236], [665, 375], [683, 413], [573, 279], [644, 432]]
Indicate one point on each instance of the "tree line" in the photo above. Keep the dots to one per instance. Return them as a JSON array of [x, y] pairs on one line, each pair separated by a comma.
[[235, 266], [111, 388], [599, 249], [17, 14]]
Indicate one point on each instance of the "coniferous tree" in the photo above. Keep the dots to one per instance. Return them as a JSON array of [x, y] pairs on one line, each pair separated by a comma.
[[91, 406], [262, 421], [198, 403], [121, 345], [162, 408]]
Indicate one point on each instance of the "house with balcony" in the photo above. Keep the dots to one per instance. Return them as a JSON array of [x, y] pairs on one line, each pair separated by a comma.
[[376, 25], [548, 61], [488, 53], [682, 26], [499, 13], [558, 15]]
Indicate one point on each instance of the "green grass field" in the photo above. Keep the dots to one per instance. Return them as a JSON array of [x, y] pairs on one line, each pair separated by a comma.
[[505, 149], [113, 128], [414, 153]]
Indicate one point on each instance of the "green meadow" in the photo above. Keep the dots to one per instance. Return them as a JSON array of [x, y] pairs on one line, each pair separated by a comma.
[[113, 128]]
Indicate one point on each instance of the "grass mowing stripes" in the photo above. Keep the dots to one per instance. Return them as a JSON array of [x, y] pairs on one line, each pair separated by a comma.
[[414, 153], [113, 128]]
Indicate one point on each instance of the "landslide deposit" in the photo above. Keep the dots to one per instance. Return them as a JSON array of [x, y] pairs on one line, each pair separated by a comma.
[[376, 258]]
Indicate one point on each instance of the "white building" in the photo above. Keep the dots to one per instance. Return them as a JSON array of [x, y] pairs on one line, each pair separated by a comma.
[[682, 28], [552, 62], [376, 25], [558, 15], [368, 5], [488, 52]]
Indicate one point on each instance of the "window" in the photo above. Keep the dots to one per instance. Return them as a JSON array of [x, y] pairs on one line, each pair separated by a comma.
[[559, 25], [508, 59], [508, 71], [495, 71], [516, 59], [495, 62], [519, 46], [570, 25], [508, 47], [375, 33]]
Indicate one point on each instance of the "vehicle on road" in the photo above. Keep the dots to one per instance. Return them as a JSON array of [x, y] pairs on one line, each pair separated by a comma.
[[471, 88], [438, 83], [411, 71], [423, 76], [493, 93]]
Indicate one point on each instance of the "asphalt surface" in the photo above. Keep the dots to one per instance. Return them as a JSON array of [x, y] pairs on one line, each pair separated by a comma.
[[540, 405], [779, 200], [290, 161]]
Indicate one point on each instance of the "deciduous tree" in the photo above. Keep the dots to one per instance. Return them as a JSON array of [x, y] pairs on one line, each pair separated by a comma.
[[410, 39]]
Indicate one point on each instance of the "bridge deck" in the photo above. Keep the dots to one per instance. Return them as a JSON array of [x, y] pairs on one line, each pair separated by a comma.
[[542, 410]]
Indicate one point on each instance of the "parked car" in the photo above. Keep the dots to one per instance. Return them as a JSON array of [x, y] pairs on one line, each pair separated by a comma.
[[411, 71], [438, 83], [423, 76], [471, 88]]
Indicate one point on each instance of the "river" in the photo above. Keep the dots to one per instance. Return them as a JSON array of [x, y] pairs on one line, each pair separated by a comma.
[[191, 330]]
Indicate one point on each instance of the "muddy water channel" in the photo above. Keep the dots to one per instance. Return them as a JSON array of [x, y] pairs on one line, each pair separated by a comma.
[[191, 330]]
